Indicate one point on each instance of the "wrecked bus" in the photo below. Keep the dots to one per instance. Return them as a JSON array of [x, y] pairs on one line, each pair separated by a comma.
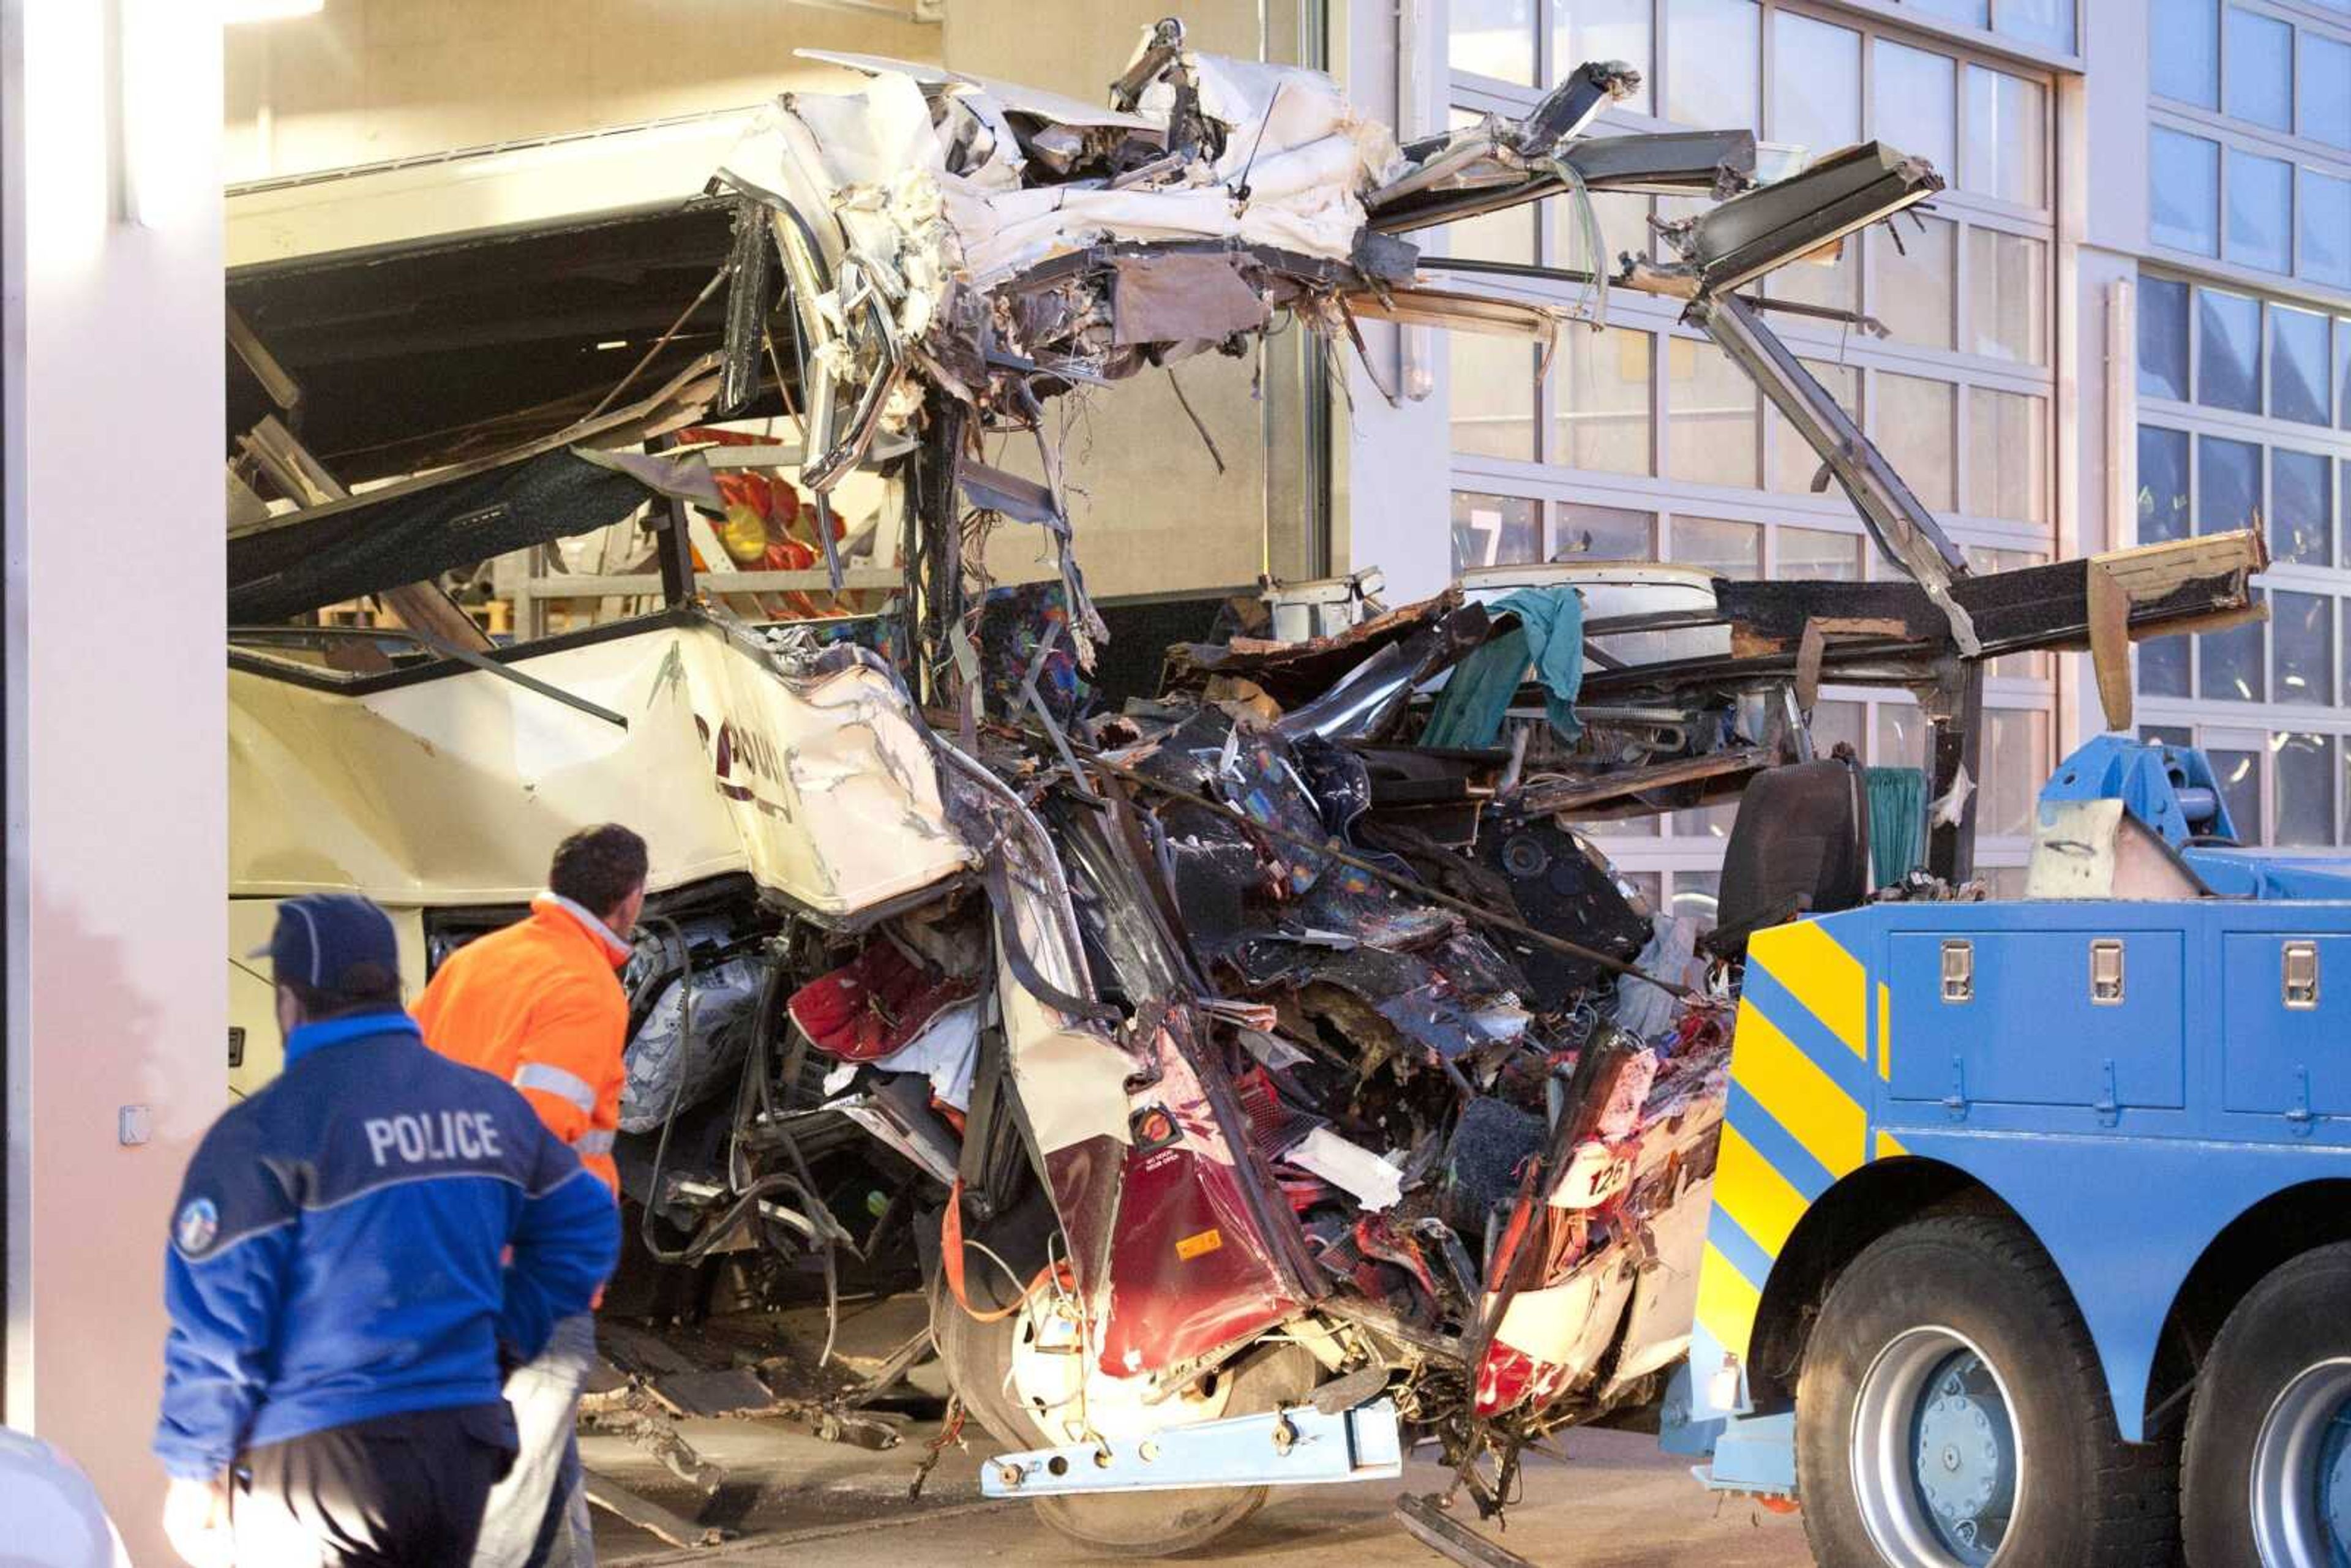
[[1272, 1039]]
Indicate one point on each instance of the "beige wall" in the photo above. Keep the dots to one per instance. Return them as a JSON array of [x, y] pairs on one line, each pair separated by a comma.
[[367, 80], [1151, 513], [372, 79], [115, 702]]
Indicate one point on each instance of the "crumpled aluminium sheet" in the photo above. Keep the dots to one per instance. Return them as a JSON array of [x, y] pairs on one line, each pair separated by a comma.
[[921, 203]]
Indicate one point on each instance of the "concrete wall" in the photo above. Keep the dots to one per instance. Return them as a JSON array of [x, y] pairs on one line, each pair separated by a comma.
[[1395, 461], [1151, 513], [115, 700], [367, 80]]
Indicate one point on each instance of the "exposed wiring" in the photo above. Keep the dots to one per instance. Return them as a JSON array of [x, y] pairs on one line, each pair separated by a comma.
[[745, 1204]]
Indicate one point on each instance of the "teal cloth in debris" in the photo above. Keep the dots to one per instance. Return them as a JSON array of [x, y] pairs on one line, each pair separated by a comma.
[[1550, 636], [1897, 822]]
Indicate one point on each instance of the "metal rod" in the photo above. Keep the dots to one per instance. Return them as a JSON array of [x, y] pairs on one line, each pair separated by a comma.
[[1515, 927], [507, 672]]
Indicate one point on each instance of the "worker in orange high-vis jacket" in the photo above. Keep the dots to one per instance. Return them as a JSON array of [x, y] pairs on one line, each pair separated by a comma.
[[540, 1006]]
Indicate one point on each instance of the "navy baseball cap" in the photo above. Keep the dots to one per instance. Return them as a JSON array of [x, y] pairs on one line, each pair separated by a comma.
[[334, 942]]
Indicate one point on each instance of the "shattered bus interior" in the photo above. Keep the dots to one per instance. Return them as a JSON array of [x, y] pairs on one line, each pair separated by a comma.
[[1275, 1035]]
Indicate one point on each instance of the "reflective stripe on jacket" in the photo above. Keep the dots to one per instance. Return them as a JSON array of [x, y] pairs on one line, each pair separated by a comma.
[[538, 1004]]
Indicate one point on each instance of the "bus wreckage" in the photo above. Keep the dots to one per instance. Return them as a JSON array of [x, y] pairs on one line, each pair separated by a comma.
[[1268, 1059]]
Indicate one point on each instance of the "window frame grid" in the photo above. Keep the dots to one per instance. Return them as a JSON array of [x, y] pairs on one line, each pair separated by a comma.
[[2317, 157], [1551, 485], [2333, 26], [1993, 46]]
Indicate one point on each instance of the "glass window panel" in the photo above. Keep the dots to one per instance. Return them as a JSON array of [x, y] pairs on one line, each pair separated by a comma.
[[2184, 191], [1901, 736], [2301, 648], [1914, 283], [1830, 276], [2228, 484], [1819, 555], [1493, 395], [2323, 217], [1726, 549], [2162, 337], [1506, 235], [2163, 667], [1495, 530], [1647, 885], [2004, 883], [1603, 533], [2261, 211], [1711, 416], [2229, 365], [1626, 828], [2343, 647], [2047, 22], [1791, 460], [1604, 30], [1915, 102], [2229, 665], [1493, 38], [2184, 35], [2008, 455], [1816, 88], [2168, 734], [2007, 296], [1714, 63], [2298, 365], [2239, 775], [1836, 723], [1600, 401], [2007, 153], [1706, 821], [2260, 69], [2343, 373], [2304, 767], [2163, 509], [1915, 420], [2324, 84], [2015, 758], [1624, 229], [1695, 895], [2302, 507], [1966, 13]]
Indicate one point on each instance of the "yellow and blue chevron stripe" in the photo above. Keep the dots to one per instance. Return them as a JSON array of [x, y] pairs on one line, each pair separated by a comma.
[[1802, 1072]]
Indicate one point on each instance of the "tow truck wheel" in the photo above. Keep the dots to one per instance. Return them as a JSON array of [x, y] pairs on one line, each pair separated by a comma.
[[984, 1363], [2266, 1476], [1951, 1415]]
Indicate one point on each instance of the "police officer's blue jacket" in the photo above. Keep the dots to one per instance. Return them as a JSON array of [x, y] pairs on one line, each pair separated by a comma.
[[337, 1251]]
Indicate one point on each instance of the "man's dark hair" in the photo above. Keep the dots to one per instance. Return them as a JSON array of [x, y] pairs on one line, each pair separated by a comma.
[[597, 867], [365, 988]]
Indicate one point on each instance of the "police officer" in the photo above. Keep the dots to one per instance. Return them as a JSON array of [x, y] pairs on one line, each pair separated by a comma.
[[357, 1247]]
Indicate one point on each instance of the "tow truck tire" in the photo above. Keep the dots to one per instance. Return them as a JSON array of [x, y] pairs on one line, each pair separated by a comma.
[[978, 1360], [2266, 1475], [1950, 1413]]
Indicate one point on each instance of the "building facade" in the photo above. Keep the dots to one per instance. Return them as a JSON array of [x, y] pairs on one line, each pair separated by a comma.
[[2128, 318]]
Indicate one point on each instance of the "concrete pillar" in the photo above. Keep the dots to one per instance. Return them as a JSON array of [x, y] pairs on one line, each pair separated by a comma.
[[114, 696]]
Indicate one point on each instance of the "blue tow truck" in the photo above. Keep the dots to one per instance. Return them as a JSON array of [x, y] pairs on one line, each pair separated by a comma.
[[2031, 1229]]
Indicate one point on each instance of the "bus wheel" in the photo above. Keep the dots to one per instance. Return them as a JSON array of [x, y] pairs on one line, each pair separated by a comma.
[[1950, 1413], [2266, 1475]]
